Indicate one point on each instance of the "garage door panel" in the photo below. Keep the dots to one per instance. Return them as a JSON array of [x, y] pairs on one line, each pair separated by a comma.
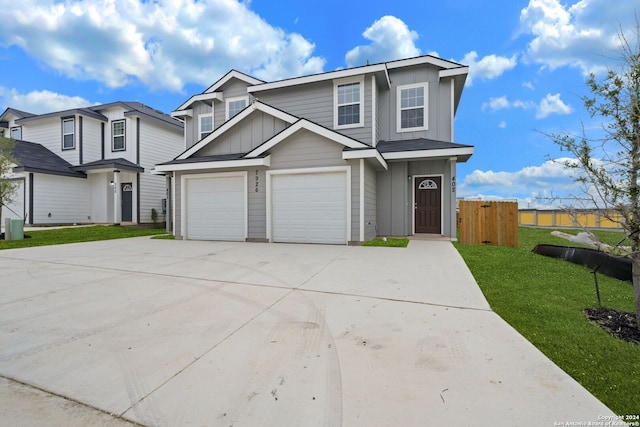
[[216, 208], [309, 208]]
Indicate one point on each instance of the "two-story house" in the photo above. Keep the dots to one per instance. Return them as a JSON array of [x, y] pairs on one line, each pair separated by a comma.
[[90, 165], [337, 157]]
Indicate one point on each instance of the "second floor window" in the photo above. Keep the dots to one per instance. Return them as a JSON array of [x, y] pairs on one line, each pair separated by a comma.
[[205, 126], [16, 132], [235, 105], [118, 135], [412, 107], [68, 133], [348, 103]]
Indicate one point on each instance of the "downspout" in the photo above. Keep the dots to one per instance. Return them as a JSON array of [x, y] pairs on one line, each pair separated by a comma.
[[138, 173]]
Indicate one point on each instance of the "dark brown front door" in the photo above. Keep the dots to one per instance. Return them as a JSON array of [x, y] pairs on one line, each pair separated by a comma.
[[427, 204]]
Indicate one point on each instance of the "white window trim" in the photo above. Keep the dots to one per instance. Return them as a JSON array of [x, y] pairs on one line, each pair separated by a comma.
[[237, 98], [340, 82], [113, 136], [73, 120], [399, 128], [200, 117]]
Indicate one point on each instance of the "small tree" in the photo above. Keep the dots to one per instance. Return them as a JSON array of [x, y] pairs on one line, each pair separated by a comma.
[[8, 187], [609, 167]]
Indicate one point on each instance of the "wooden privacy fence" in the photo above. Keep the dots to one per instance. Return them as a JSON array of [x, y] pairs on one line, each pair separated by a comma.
[[488, 223]]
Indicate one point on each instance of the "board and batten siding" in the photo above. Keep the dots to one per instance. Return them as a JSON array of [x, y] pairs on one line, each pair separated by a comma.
[[370, 203], [305, 149], [68, 200], [158, 143], [129, 153], [355, 200], [244, 137], [392, 200]]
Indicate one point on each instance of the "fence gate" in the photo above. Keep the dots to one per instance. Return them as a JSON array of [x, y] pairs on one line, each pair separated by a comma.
[[488, 223]]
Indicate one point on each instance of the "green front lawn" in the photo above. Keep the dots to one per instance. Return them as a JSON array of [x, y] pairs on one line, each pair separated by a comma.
[[544, 298], [60, 236], [389, 242]]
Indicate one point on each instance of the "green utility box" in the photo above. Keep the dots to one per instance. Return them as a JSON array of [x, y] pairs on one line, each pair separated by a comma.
[[13, 229]]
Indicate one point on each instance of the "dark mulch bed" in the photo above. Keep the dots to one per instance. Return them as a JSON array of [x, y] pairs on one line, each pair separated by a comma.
[[620, 324]]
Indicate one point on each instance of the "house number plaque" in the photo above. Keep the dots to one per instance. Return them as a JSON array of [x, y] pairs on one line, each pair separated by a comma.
[[257, 180]]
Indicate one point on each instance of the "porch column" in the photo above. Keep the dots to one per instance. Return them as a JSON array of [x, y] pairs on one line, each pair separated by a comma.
[[454, 222], [117, 198]]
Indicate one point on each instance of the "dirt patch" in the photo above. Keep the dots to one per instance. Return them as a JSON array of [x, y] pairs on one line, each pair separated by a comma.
[[620, 324]]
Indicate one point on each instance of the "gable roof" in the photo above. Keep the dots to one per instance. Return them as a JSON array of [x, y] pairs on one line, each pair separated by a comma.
[[212, 93], [4, 122], [229, 124], [137, 108], [32, 157], [346, 141]]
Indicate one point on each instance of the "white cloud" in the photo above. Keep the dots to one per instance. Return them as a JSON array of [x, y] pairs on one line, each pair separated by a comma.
[[502, 102], [163, 43], [581, 35], [528, 85], [489, 67], [552, 104], [40, 102], [502, 125], [532, 184], [390, 39]]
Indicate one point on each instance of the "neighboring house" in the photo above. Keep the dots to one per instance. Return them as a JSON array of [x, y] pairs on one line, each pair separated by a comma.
[[90, 165], [338, 157]]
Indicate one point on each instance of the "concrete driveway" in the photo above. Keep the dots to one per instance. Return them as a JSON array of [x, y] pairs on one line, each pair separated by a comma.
[[180, 333]]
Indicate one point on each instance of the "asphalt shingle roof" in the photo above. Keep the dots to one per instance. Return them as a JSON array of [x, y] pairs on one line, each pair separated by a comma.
[[32, 157], [417, 144]]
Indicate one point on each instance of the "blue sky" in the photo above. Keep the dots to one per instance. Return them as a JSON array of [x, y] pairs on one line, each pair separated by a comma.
[[528, 62]]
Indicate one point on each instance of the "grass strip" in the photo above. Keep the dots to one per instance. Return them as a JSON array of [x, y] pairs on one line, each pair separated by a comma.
[[544, 298], [59, 236]]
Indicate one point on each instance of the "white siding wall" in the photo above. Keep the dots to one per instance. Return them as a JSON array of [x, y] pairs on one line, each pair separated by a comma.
[[157, 144], [68, 200], [100, 193], [117, 113], [91, 140], [48, 132]]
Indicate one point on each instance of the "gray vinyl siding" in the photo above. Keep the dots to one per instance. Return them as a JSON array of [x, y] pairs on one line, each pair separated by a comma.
[[257, 204], [305, 149], [245, 136], [190, 135], [314, 101], [370, 203], [192, 124], [392, 199], [395, 196], [355, 200], [438, 106]]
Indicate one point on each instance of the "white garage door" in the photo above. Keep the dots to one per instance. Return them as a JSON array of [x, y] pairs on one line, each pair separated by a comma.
[[215, 208], [309, 208]]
